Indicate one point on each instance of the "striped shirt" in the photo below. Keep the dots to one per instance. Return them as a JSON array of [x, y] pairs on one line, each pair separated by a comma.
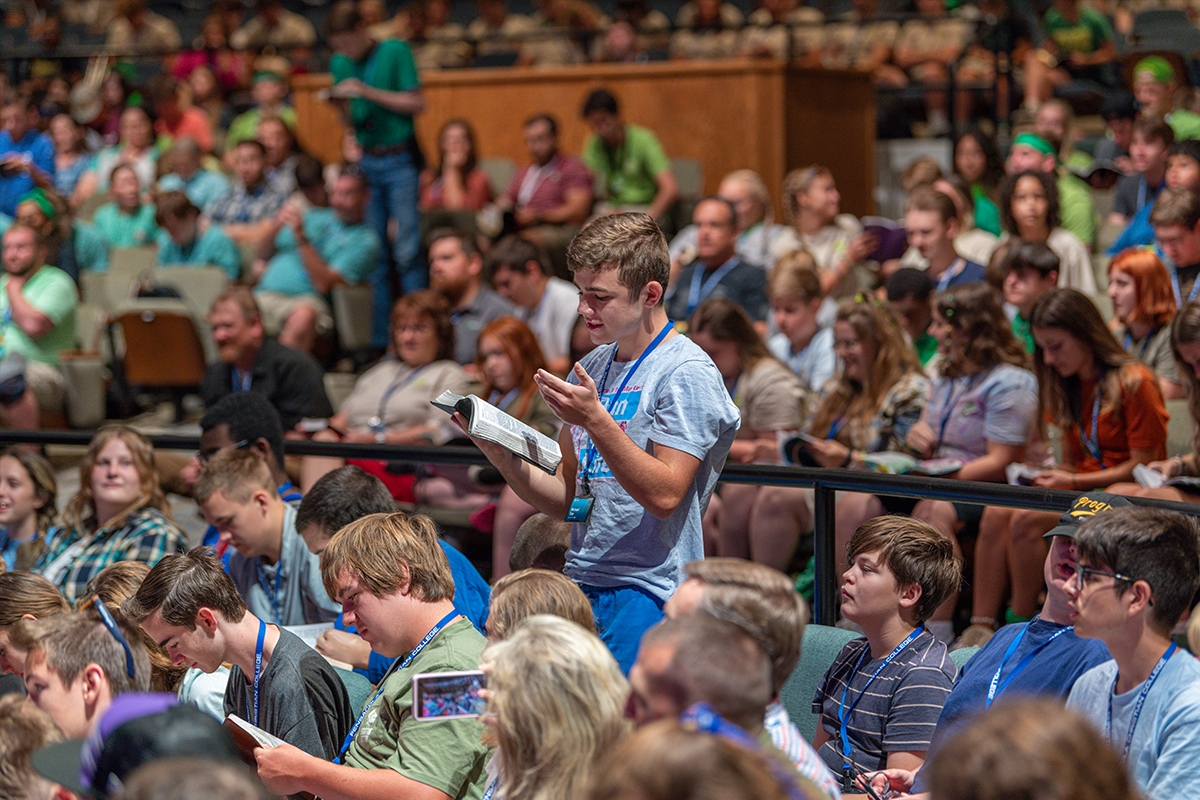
[[899, 710], [789, 741]]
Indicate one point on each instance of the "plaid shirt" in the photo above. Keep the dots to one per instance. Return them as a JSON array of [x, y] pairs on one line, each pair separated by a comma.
[[239, 206], [146, 535]]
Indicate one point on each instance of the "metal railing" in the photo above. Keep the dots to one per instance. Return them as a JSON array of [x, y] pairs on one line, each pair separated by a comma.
[[825, 483]]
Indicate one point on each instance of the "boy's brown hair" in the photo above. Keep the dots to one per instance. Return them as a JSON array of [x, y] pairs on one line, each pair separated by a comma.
[[236, 474], [386, 551], [917, 554], [629, 242], [179, 585]]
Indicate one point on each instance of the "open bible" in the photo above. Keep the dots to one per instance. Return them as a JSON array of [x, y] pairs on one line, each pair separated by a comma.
[[487, 422]]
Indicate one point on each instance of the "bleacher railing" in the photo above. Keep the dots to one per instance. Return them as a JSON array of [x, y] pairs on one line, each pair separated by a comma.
[[825, 483]]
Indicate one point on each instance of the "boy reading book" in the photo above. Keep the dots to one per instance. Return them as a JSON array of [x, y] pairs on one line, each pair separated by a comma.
[[278, 683], [880, 700]]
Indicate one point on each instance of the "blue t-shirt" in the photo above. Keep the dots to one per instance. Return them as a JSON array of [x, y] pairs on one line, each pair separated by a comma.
[[968, 272], [813, 365], [210, 248], [350, 250], [677, 399], [39, 150], [967, 412], [1052, 672], [1166, 742]]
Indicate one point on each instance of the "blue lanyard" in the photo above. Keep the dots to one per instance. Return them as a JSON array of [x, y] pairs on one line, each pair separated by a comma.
[[288, 493], [1137, 707], [843, 712], [955, 269], [397, 664], [612, 401], [1093, 443], [996, 686], [272, 596], [836, 427], [396, 385], [703, 717], [699, 292], [952, 399], [258, 654], [1145, 342], [1179, 291], [491, 789]]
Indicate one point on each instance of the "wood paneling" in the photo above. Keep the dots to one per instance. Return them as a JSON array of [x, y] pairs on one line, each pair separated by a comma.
[[729, 114]]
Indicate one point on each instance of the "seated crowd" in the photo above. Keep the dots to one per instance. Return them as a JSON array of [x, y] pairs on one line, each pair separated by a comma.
[[642, 631]]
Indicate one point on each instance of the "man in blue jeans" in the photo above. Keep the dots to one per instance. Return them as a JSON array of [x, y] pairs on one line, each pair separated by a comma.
[[381, 92]]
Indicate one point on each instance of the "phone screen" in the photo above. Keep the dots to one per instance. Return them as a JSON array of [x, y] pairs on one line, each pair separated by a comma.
[[448, 695]]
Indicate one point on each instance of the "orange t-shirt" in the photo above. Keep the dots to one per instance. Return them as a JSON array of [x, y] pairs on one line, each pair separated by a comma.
[[1140, 423]]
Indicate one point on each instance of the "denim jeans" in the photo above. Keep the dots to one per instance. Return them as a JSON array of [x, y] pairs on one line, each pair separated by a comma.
[[393, 181]]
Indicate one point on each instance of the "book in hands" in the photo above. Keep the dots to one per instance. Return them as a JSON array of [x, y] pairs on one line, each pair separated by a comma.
[[1152, 479], [489, 423], [248, 736], [890, 463]]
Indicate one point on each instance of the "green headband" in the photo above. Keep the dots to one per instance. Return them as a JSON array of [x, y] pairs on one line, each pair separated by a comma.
[[267, 75], [43, 202], [1036, 142], [1159, 68]]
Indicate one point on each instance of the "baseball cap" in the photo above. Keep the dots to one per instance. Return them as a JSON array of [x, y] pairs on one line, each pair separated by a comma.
[[1085, 506], [135, 729]]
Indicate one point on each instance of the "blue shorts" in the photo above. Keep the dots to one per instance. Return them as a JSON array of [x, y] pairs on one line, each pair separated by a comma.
[[623, 614]]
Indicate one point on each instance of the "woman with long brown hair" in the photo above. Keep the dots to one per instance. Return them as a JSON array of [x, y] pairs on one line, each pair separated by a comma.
[[867, 407], [1112, 416], [770, 398], [119, 514]]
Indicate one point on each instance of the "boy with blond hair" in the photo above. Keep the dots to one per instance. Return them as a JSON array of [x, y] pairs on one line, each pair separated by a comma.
[[395, 586], [794, 289], [272, 569], [880, 700]]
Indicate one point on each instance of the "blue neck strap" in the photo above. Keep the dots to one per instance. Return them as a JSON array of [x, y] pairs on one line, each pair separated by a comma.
[[844, 712]]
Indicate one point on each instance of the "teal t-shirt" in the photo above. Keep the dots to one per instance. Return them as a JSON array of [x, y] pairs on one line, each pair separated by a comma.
[[628, 171], [91, 250], [126, 230], [350, 250], [52, 292], [210, 248], [1085, 36], [388, 66], [1023, 331]]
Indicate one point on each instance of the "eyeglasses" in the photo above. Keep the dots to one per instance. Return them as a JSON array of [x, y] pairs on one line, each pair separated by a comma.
[[1081, 570], [107, 618], [204, 455]]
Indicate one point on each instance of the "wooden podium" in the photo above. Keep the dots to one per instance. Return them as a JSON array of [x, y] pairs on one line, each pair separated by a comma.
[[759, 114]]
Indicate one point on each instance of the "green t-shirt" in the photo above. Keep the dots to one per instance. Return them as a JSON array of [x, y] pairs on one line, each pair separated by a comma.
[[987, 214], [245, 127], [628, 171], [389, 66], [1023, 331], [1085, 36], [447, 754], [52, 292], [926, 347], [1185, 124], [1076, 208]]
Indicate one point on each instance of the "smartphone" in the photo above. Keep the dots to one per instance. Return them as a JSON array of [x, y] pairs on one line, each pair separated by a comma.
[[448, 695]]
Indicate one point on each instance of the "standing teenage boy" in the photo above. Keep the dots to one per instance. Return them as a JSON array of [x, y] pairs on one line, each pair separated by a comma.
[[648, 426], [1138, 571], [880, 700], [190, 606]]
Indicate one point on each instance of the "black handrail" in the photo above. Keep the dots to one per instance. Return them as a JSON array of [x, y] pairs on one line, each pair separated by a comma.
[[825, 483]]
